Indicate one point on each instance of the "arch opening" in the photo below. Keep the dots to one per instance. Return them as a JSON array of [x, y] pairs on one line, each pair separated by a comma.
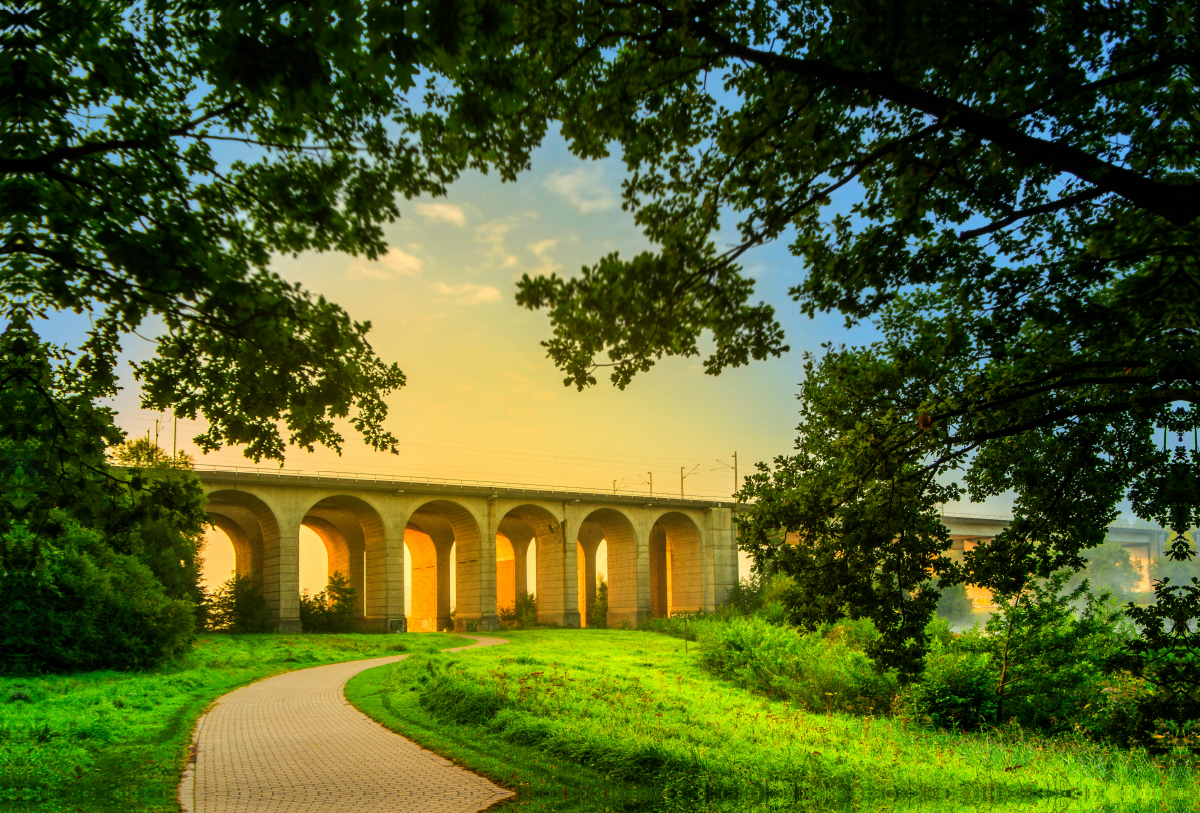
[[676, 567], [219, 559], [445, 544], [610, 532], [260, 552], [542, 564], [352, 537]]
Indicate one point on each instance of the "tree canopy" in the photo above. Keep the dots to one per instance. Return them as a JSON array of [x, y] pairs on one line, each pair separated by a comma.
[[155, 155], [1018, 216]]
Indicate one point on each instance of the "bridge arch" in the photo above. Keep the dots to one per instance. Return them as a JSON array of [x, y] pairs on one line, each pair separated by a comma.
[[355, 539], [676, 565], [259, 549], [529, 524], [435, 530], [627, 563]]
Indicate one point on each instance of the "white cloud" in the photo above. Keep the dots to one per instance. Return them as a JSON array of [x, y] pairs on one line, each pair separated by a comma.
[[583, 188], [396, 263], [442, 213], [466, 293], [542, 246]]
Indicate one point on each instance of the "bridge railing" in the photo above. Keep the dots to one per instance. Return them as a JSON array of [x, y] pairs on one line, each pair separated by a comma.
[[374, 477]]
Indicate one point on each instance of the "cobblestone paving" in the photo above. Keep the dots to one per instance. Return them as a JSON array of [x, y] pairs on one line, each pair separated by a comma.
[[293, 744]]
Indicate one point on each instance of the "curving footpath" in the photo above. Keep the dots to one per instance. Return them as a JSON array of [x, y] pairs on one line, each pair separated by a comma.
[[293, 743]]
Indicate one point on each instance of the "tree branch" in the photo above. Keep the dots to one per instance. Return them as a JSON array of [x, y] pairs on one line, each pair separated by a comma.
[[1176, 203]]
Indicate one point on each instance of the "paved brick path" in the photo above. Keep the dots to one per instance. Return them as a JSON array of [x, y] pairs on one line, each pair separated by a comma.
[[293, 744]]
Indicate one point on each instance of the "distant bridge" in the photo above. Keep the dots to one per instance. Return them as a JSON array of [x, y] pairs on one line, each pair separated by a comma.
[[665, 554], [1145, 543]]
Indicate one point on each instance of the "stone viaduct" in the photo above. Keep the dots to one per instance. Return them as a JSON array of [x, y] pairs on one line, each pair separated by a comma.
[[665, 555]]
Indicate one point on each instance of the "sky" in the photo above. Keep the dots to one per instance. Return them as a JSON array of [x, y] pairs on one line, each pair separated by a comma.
[[483, 402]]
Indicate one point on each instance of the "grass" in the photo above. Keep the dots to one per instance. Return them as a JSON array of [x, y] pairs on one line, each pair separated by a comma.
[[595, 720], [111, 741]]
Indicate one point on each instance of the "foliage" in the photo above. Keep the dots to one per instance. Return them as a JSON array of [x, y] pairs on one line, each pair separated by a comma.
[[1021, 222], [596, 712], [598, 612], [822, 671], [116, 741], [143, 454], [1168, 658], [956, 690], [97, 569], [1179, 571], [1012, 155], [522, 615], [238, 606], [330, 610], [157, 155], [745, 597], [1043, 660], [94, 609]]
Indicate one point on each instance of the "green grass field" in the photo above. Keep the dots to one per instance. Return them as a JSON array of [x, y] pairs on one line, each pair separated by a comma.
[[598, 720], [108, 741], [587, 720]]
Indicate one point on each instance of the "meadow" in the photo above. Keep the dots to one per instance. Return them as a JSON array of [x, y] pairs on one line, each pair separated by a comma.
[[112, 741], [595, 720]]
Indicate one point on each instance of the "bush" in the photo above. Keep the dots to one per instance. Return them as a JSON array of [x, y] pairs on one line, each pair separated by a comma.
[[956, 689], [92, 608], [522, 615], [332, 609], [745, 597], [825, 670], [237, 606], [1040, 661]]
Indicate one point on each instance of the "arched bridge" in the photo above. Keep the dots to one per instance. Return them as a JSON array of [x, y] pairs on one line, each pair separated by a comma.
[[665, 554]]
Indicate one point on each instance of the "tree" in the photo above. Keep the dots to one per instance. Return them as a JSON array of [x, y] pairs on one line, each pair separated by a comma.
[[142, 453], [96, 571], [330, 610], [238, 606], [122, 198], [1111, 567], [1024, 236], [598, 613]]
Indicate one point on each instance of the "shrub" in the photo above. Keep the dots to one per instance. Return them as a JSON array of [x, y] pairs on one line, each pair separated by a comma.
[[745, 597], [238, 606], [825, 670], [1040, 661], [956, 689], [91, 608], [332, 609], [522, 615]]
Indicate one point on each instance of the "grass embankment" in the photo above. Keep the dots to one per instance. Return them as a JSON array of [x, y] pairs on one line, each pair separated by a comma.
[[111, 741], [586, 720]]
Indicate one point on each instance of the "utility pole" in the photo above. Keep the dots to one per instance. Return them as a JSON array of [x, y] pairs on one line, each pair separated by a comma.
[[682, 476], [614, 488], [175, 441], [651, 483], [735, 479]]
